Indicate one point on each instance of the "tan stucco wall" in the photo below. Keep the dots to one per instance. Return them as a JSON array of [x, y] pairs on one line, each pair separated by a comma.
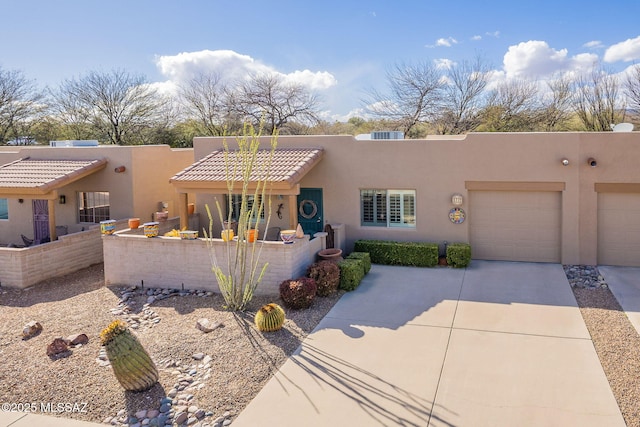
[[436, 168], [136, 192]]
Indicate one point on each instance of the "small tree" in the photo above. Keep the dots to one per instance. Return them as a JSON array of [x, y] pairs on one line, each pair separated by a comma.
[[246, 167]]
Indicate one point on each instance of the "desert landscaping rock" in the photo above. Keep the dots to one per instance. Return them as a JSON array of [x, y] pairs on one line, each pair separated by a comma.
[[77, 339], [206, 326], [31, 329], [57, 348]]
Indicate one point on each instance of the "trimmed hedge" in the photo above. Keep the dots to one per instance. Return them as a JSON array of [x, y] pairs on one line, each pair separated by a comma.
[[417, 254], [351, 273], [365, 257], [458, 255]]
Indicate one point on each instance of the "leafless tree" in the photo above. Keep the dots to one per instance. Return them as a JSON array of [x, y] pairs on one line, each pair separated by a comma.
[[73, 114], [204, 99], [596, 100], [414, 95], [21, 103], [268, 98], [512, 107], [121, 106], [632, 91], [462, 103], [555, 110]]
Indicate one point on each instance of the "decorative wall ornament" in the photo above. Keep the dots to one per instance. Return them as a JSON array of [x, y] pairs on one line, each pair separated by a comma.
[[457, 215], [303, 211], [456, 199]]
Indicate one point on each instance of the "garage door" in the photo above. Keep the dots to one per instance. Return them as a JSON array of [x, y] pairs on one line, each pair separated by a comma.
[[515, 225], [619, 229]]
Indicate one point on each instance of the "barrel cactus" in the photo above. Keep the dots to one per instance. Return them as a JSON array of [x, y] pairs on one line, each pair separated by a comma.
[[131, 364], [269, 318]]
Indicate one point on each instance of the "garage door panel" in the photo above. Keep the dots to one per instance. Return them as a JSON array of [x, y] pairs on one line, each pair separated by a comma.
[[515, 226], [619, 229]]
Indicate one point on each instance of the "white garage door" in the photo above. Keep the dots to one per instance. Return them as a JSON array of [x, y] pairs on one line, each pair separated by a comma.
[[619, 229], [515, 225]]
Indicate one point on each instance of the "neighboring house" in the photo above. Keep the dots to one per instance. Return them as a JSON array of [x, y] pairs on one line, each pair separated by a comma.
[[59, 195], [521, 201]]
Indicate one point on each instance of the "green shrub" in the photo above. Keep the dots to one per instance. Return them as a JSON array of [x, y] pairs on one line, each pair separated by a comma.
[[351, 273], [365, 257], [417, 254], [458, 255], [298, 293], [327, 277]]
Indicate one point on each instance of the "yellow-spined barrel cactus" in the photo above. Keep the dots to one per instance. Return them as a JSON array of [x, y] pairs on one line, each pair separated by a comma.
[[269, 318], [131, 364]]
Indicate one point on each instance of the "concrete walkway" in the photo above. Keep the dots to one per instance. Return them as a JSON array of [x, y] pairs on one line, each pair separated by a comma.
[[497, 344]]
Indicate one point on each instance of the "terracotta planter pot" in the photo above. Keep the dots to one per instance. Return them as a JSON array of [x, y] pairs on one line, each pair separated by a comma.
[[334, 255], [252, 236], [134, 223], [191, 208]]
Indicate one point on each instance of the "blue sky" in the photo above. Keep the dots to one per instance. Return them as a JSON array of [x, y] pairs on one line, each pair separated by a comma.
[[337, 48]]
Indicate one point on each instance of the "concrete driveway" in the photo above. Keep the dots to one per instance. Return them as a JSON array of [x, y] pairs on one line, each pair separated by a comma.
[[497, 344]]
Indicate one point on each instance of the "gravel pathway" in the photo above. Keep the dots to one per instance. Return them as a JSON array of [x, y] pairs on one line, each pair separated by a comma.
[[616, 341]]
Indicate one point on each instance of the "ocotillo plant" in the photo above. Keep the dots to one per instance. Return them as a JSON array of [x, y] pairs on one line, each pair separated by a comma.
[[247, 171]]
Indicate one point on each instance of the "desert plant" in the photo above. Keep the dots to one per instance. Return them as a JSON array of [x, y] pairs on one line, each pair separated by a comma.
[[351, 273], [246, 167], [131, 363], [298, 293], [327, 277], [269, 318]]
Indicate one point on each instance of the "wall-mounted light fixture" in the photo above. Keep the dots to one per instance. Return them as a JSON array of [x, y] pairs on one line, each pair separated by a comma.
[[456, 199], [62, 199], [565, 162], [120, 169], [592, 162], [20, 200]]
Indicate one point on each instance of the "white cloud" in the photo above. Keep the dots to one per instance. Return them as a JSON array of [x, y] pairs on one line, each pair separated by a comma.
[[314, 80], [232, 66], [594, 44], [476, 38], [448, 42], [628, 50], [536, 58], [495, 34]]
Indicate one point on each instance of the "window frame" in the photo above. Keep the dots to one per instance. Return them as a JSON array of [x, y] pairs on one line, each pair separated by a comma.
[[89, 202], [402, 200], [236, 200], [6, 205]]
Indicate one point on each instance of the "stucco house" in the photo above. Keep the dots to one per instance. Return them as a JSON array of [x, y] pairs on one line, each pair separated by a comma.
[[52, 200], [571, 198]]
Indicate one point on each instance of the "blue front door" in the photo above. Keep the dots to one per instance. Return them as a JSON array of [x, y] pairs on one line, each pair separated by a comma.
[[310, 210]]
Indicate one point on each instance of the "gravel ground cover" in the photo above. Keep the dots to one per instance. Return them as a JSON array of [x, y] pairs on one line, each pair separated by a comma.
[[206, 379]]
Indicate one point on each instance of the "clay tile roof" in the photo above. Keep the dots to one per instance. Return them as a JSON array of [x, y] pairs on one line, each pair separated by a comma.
[[42, 176], [288, 165]]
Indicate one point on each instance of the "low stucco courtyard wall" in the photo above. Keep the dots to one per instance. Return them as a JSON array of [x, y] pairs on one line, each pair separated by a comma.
[[170, 262], [24, 267]]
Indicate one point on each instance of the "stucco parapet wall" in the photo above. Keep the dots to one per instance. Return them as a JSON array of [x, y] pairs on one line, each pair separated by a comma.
[[175, 263]]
